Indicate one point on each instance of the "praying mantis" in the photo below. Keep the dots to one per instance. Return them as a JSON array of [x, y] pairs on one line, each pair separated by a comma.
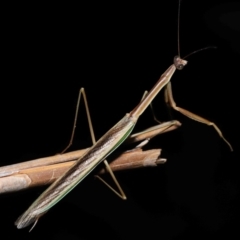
[[105, 146]]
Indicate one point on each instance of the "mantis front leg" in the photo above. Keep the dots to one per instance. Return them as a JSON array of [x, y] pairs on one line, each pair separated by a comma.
[[169, 100]]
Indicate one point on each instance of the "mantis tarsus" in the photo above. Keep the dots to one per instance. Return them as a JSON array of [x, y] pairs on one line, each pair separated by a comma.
[[104, 147]]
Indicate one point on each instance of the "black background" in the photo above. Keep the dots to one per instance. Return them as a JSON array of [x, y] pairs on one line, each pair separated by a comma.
[[116, 51]]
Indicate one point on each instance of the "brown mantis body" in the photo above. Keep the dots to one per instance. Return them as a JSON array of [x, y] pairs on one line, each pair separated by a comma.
[[104, 147]]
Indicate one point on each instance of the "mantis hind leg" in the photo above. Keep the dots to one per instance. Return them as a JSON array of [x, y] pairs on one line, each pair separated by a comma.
[[82, 93]]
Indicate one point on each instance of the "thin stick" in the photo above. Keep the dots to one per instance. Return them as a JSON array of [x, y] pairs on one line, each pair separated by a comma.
[[44, 175], [74, 155]]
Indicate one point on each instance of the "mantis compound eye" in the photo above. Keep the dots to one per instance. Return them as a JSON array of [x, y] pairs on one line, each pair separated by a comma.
[[179, 63], [180, 67]]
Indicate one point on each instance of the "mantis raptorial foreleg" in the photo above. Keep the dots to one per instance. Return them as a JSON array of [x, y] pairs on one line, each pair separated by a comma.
[[151, 132], [169, 100]]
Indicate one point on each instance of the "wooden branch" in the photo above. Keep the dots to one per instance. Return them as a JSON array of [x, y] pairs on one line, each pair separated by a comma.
[[46, 170], [59, 158]]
